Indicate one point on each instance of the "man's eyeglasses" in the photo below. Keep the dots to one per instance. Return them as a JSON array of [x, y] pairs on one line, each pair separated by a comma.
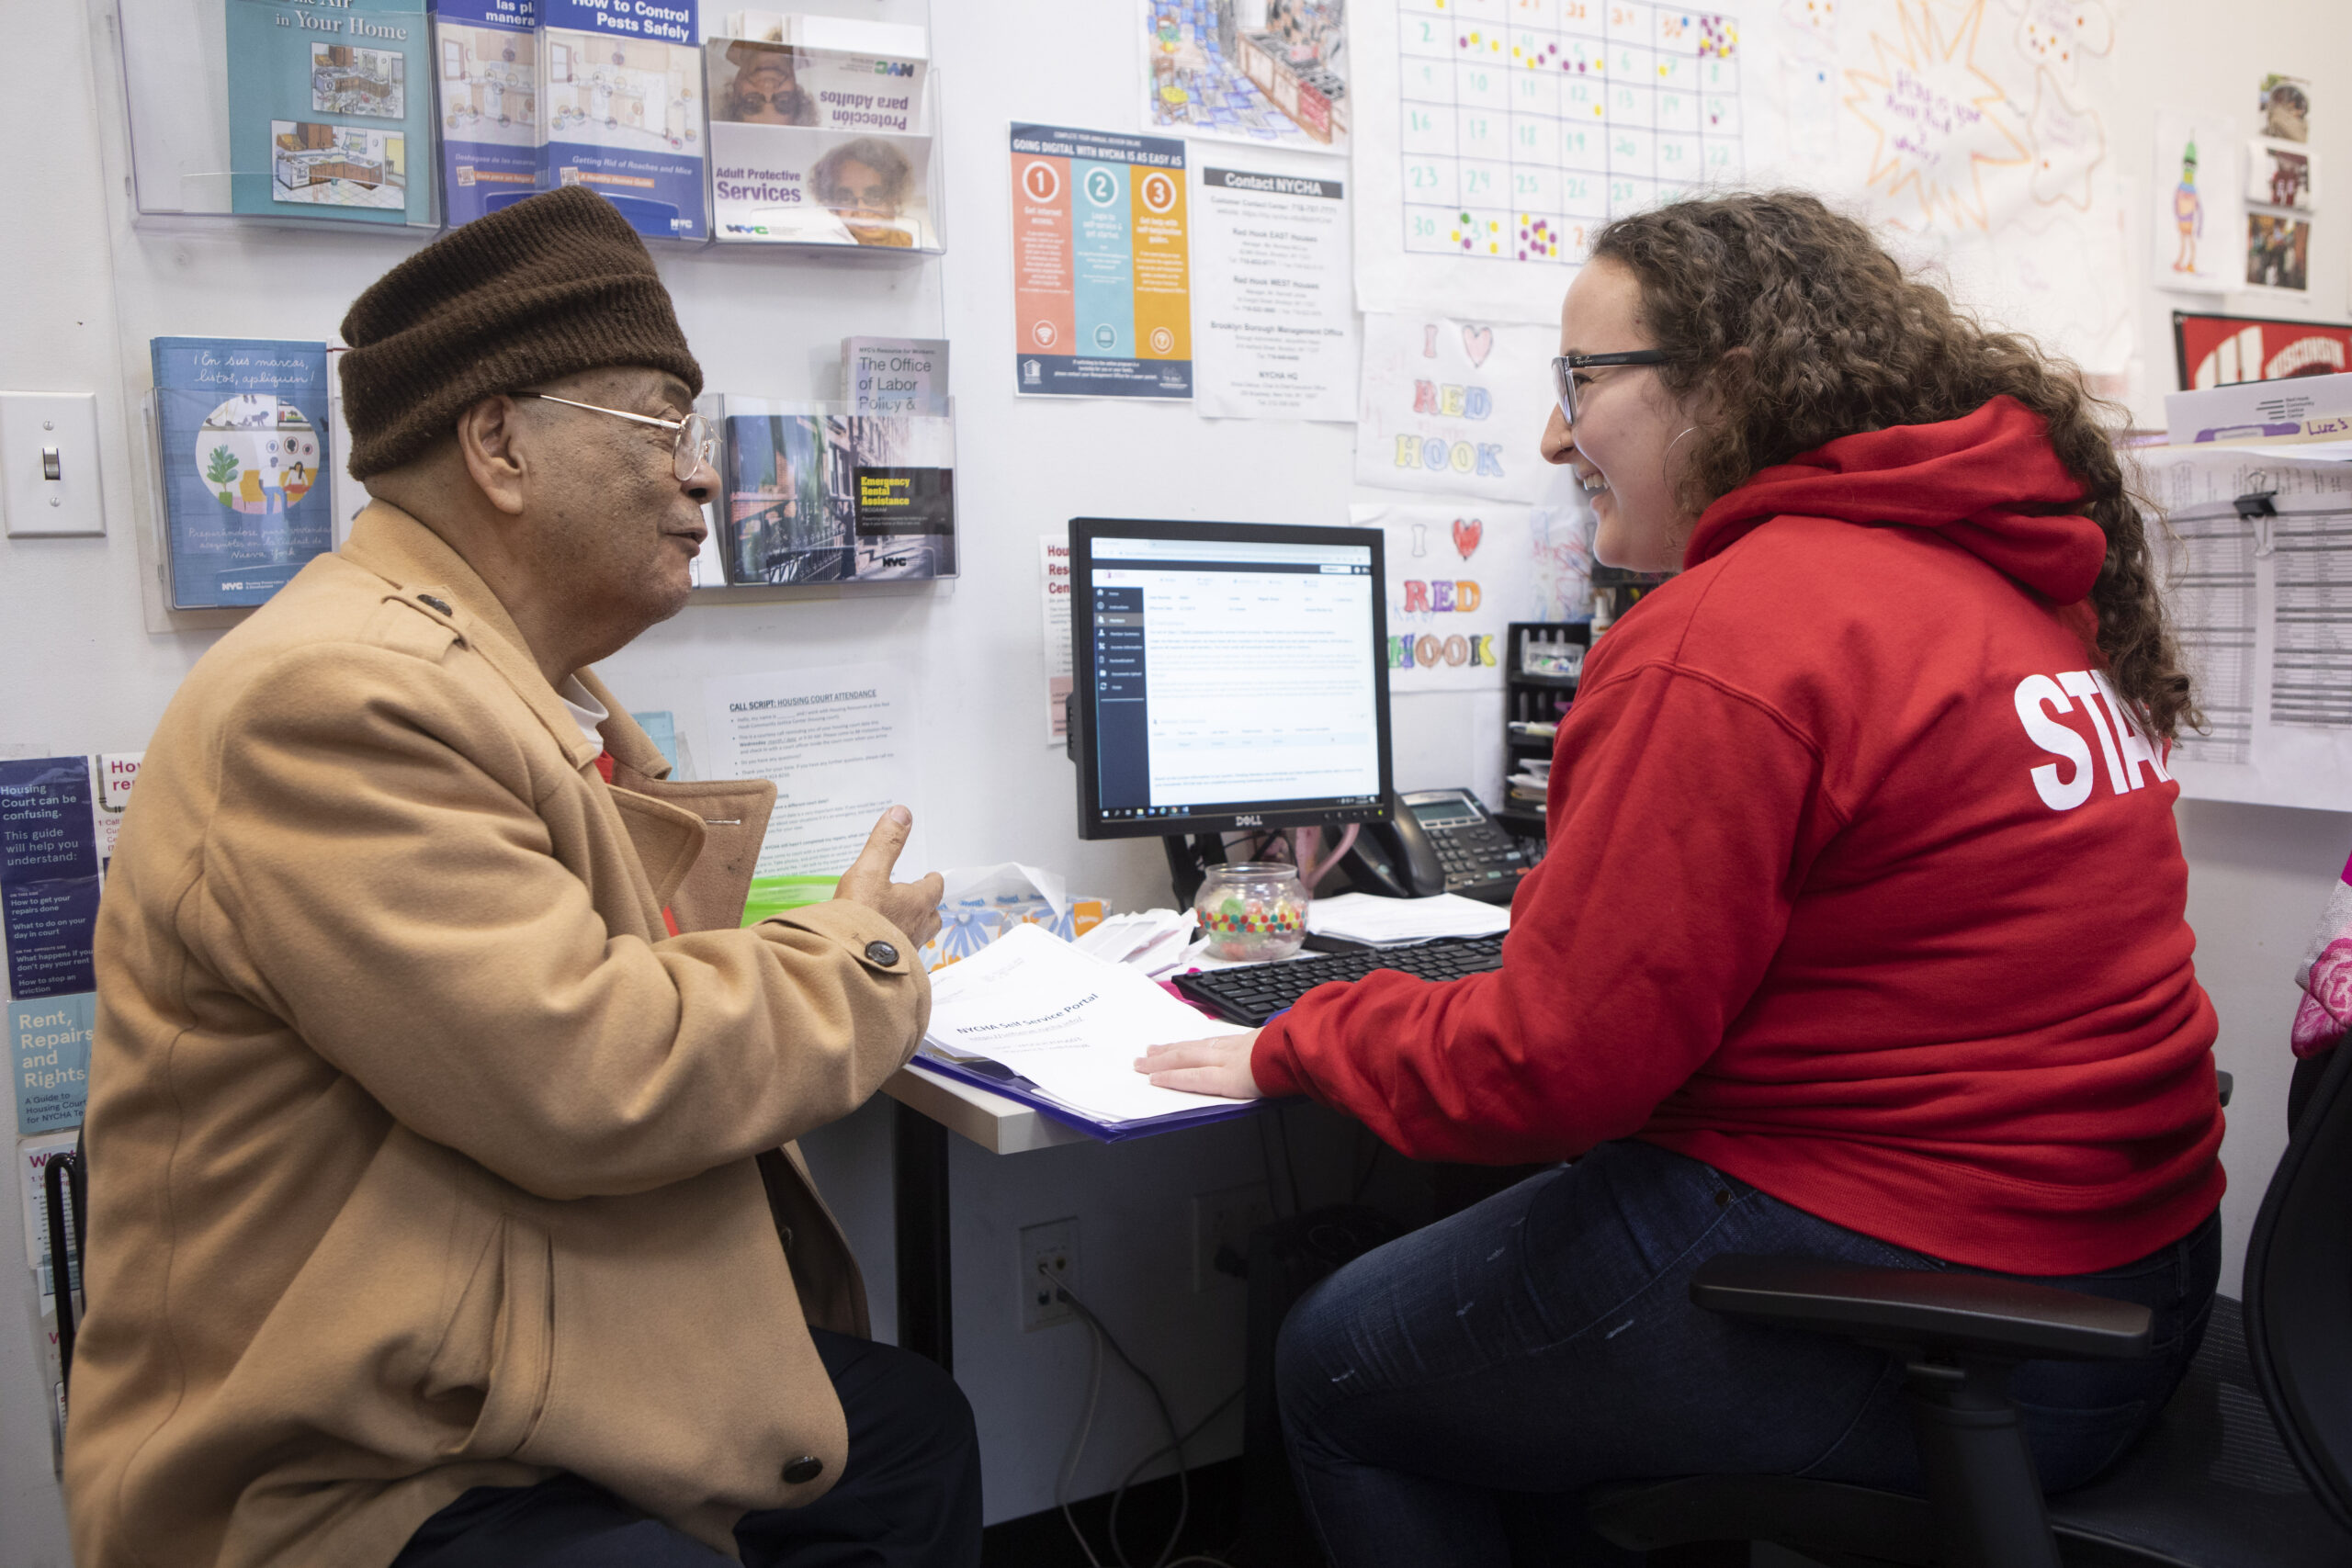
[[1565, 368], [698, 443]]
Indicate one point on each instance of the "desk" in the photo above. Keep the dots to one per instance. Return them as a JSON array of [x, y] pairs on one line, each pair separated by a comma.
[[928, 1108]]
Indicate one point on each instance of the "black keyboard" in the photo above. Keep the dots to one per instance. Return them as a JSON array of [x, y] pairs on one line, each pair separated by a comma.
[[1253, 993]]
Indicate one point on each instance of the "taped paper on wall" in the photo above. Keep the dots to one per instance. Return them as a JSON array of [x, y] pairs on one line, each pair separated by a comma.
[[1053, 589], [840, 744], [2262, 606], [1275, 319], [1458, 575], [1455, 407], [2196, 187]]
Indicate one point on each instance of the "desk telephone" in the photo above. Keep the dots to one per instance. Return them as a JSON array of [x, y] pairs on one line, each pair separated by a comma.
[[1437, 840]]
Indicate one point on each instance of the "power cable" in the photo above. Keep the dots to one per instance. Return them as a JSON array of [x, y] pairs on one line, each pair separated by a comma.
[[1176, 1440]]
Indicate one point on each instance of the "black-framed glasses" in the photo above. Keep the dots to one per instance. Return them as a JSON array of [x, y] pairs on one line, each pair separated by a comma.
[[749, 100], [697, 442], [1566, 365]]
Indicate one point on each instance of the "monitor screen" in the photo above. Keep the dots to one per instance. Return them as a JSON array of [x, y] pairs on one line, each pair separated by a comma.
[[1227, 675]]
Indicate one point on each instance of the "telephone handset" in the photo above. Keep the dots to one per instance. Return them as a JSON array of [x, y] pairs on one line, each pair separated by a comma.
[[1436, 841]]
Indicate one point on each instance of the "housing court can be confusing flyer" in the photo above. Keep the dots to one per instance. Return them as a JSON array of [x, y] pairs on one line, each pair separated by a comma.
[[1101, 265]]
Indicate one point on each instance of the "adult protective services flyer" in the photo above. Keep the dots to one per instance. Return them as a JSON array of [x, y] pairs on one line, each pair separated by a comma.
[[1277, 321], [1102, 273]]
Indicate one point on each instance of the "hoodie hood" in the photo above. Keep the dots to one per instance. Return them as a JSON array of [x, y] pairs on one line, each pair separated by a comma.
[[1966, 478]]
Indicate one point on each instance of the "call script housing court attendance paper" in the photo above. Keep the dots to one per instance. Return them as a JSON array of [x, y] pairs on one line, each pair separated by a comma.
[[1070, 1023]]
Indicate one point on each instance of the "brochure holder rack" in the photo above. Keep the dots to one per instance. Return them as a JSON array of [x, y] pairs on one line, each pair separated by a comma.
[[236, 112]]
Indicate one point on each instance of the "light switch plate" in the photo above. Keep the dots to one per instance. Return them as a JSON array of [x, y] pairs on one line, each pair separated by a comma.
[[31, 423]]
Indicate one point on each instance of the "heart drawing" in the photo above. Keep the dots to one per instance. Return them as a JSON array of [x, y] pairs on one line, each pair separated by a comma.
[[1479, 343], [1467, 532]]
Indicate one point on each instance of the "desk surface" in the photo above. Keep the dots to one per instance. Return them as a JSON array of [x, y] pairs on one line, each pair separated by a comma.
[[1000, 1125]]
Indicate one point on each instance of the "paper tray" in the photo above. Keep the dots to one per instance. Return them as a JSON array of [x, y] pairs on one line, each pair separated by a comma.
[[1003, 1080]]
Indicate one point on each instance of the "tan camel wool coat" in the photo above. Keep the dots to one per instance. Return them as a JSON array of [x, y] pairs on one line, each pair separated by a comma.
[[422, 1156]]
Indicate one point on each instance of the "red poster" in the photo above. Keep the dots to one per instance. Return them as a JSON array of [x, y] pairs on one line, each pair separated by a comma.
[[2218, 351]]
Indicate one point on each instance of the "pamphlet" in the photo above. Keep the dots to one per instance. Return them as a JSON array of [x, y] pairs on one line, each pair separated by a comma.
[[331, 110], [817, 147], [1070, 1023], [58, 820], [812, 493], [894, 375], [488, 51], [241, 435], [48, 1044], [621, 109]]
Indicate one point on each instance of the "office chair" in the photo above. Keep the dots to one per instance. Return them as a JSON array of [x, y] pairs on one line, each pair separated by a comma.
[[2249, 1466]]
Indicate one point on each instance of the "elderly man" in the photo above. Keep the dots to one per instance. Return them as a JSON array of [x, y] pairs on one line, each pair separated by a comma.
[[443, 1208]]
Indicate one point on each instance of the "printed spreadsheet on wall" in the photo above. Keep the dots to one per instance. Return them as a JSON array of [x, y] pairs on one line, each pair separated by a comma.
[[1525, 124]]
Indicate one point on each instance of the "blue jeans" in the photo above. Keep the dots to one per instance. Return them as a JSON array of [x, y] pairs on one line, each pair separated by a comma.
[[1447, 1397]]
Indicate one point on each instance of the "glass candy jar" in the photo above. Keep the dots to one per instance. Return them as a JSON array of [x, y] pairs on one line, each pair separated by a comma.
[[1252, 910]]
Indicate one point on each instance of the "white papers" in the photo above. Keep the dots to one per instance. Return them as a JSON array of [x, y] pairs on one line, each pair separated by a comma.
[[1068, 1022], [1454, 406], [1273, 317], [1458, 575], [2263, 611], [1382, 922], [1150, 942], [838, 743]]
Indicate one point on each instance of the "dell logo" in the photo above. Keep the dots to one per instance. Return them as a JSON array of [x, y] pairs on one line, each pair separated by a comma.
[[1249, 821]]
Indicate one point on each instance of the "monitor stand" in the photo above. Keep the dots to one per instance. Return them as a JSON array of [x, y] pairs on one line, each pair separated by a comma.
[[1189, 855]]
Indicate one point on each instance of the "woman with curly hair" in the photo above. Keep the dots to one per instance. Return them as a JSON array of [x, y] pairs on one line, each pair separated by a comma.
[[1860, 935]]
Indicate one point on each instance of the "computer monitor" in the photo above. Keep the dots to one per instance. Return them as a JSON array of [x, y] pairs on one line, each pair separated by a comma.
[[1226, 675]]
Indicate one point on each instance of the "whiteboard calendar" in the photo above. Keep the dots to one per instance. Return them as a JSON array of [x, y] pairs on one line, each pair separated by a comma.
[[1513, 129]]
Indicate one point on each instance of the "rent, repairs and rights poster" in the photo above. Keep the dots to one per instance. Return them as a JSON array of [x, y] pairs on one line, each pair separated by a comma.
[[1102, 273]]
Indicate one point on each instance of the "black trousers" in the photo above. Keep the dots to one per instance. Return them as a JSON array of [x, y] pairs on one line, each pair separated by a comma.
[[909, 1496]]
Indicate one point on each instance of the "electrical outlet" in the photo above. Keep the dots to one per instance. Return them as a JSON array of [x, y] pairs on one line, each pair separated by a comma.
[[1222, 1222], [1049, 1257]]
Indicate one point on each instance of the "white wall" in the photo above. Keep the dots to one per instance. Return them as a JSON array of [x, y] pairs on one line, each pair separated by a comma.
[[85, 290]]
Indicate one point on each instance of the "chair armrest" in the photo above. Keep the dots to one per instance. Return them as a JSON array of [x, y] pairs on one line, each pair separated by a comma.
[[1978, 1313]]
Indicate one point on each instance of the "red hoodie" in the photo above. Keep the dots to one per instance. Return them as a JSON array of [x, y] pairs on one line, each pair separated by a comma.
[[1859, 888]]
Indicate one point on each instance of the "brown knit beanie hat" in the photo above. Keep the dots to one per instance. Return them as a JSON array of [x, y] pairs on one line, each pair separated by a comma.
[[547, 287]]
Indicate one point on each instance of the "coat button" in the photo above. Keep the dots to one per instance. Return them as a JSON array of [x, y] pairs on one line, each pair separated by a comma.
[[802, 1471], [430, 603], [881, 952]]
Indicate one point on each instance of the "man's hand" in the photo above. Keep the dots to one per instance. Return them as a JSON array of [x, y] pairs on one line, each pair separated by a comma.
[[913, 907], [1219, 1064]]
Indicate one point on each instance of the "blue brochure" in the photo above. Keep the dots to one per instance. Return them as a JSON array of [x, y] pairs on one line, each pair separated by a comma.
[[620, 105], [488, 55], [331, 110], [49, 874], [48, 1046], [241, 435]]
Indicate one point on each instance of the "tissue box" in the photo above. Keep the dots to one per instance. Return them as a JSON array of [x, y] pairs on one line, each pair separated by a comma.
[[979, 904], [969, 925]]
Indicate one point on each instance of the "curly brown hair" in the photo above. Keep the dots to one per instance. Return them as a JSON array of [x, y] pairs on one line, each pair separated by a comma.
[[1838, 340]]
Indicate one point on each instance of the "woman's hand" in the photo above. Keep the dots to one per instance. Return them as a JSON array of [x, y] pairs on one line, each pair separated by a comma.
[[1219, 1064]]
